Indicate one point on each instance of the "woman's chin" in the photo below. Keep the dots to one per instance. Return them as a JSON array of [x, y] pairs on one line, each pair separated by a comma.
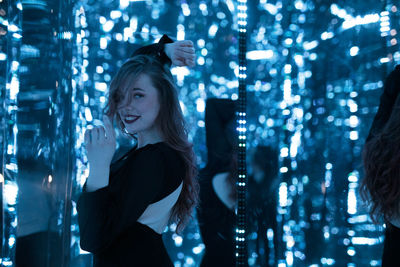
[[132, 131]]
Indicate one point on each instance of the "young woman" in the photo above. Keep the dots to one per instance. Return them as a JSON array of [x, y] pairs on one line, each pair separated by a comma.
[[125, 206], [381, 185]]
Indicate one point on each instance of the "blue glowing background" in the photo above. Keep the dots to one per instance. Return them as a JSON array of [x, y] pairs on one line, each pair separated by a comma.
[[315, 71]]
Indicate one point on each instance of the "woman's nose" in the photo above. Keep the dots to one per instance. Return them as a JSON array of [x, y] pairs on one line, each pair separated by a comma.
[[127, 110], [125, 107]]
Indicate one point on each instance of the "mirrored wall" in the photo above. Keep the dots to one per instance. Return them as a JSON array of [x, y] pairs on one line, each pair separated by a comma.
[[312, 72], [315, 74], [61, 59]]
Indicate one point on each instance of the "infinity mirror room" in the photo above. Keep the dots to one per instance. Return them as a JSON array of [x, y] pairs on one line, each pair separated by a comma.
[[200, 133]]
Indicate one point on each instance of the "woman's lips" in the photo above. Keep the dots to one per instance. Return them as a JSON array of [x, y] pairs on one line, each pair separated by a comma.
[[131, 120]]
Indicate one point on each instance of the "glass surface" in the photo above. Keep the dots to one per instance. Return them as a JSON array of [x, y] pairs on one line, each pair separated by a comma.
[[60, 60], [315, 74]]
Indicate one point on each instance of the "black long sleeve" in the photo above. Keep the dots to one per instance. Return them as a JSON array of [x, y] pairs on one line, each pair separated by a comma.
[[156, 50], [104, 215], [220, 130], [388, 98]]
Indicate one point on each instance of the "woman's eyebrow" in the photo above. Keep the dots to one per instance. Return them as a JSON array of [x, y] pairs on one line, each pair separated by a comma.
[[138, 89]]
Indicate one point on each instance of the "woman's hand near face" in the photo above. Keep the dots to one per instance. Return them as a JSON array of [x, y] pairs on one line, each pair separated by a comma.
[[100, 144], [181, 53]]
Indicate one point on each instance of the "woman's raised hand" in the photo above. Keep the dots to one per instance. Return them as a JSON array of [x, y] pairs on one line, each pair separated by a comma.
[[181, 53], [100, 143]]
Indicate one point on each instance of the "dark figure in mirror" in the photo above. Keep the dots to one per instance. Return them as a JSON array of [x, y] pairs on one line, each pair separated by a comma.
[[263, 186], [216, 212], [37, 244]]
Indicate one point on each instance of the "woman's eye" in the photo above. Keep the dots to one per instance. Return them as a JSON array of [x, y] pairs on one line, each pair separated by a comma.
[[137, 96]]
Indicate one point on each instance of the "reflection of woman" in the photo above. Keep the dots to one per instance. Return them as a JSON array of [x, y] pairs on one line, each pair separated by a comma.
[[263, 186], [37, 245], [216, 213], [125, 206], [382, 167]]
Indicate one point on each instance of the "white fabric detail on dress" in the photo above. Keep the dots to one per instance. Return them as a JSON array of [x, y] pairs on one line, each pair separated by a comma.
[[156, 215]]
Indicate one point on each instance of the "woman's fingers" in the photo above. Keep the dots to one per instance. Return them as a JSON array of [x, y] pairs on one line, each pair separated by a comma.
[[186, 43], [109, 130], [182, 61], [186, 58], [189, 62], [179, 62], [101, 137], [99, 134], [87, 137], [183, 53], [188, 50], [93, 135]]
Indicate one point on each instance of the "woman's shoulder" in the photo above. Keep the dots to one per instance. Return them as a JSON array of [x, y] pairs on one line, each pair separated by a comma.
[[149, 155], [159, 147], [163, 150]]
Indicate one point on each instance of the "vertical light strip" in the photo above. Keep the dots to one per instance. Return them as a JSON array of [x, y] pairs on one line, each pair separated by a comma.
[[241, 244], [82, 110], [10, 130], [394, 35]]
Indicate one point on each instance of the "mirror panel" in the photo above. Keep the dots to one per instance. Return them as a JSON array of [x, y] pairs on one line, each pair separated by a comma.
[[60, 60], [315, 74]]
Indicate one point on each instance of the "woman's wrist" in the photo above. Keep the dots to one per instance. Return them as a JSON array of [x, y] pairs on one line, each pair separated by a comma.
[[98, 178], [167, 50]]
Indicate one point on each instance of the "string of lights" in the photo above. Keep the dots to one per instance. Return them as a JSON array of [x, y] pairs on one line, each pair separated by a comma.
[[241, 245]]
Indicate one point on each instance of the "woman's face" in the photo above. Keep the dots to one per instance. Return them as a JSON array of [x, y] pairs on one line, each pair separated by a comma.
[[140, 114]]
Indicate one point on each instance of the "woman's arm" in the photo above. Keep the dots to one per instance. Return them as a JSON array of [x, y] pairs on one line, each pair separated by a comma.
[[103, 216], [180, 53], [221, 186], [156, 50], [100, 147]]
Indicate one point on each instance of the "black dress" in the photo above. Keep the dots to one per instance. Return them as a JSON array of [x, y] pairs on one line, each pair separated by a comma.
[[217, 222], [108, 217], [391, 92]]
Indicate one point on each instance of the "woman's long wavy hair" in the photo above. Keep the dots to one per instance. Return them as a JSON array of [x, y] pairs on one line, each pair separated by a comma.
[[381, 156], [170, 122]]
